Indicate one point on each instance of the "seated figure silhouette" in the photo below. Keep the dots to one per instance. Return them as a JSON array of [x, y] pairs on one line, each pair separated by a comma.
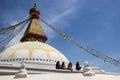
[[63, 65], [58, 66], [70, 66], [78, 66]]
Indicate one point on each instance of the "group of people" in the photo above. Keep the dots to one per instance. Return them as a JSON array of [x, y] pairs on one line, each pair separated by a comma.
[[69, 67]]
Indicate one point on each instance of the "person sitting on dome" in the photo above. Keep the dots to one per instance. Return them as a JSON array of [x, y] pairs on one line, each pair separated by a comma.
[[70, 66], [58, 66], [63, 65], [78, 66]]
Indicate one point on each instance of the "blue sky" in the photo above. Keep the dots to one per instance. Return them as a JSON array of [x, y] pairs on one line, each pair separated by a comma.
[[92, 22]]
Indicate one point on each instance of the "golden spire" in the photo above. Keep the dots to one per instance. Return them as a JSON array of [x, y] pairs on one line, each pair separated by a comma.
[[34, 31]]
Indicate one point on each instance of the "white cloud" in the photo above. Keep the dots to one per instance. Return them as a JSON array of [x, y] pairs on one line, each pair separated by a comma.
[[13, 22], [58, 17], [54, 20]]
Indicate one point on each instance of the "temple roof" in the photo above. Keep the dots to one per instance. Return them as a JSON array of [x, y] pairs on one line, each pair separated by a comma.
[[34, 31]]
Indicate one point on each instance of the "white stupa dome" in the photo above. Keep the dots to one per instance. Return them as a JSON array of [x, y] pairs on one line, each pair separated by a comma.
[[32, 51]]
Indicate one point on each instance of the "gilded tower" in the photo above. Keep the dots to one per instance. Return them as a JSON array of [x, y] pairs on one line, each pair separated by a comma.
[[34, 31]]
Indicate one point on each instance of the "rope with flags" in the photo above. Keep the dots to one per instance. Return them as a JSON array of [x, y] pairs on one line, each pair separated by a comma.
[[16, 30], [4, 30], [84, 47]]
